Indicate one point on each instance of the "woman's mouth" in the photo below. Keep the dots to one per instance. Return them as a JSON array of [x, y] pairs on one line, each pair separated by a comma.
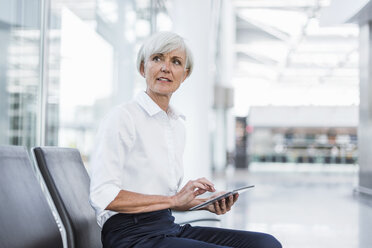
[[164, 79]]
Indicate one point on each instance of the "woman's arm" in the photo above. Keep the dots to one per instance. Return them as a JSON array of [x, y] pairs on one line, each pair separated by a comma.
[[191, 204], [131, 202]]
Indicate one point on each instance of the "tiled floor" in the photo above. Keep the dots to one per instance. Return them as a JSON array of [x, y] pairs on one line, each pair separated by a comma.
[[304, 206]]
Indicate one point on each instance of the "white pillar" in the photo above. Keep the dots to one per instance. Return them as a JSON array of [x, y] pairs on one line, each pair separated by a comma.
[[365, 109], [225, 122], [192, 20], [124, 52]]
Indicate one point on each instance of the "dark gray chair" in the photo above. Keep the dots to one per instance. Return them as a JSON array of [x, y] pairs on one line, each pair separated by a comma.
[[68, 183], [26, 219]]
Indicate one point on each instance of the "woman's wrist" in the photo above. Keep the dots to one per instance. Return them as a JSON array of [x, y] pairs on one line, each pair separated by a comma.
[[184, 207], [173, 202]]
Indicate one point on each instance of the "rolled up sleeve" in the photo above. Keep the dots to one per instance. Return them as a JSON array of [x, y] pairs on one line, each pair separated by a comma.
[[114, 140]]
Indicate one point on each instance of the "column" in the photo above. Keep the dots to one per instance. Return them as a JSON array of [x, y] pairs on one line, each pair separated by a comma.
[[192, 20], [124, 51], [224, 132], [365, 109], [4, 98]]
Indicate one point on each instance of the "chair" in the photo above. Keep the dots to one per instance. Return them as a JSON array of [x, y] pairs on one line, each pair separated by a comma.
[[68, 183], [26, 219]]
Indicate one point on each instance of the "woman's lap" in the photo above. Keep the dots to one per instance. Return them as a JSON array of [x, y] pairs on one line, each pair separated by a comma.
[[177, 242], [208, 237], [158, 230], [230, 237]]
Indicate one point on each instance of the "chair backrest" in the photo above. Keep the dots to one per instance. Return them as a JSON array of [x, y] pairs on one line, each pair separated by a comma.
[[26, 219], [68, 183]]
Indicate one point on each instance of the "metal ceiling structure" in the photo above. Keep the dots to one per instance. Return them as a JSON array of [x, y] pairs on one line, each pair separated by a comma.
[[281, 44]]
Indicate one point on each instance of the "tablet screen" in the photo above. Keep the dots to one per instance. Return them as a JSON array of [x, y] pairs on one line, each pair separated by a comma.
[[217, 198]]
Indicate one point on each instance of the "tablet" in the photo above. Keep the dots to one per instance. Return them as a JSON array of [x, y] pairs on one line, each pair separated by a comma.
[[217, 198]]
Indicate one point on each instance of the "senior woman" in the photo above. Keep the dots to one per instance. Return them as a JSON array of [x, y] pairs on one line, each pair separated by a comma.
[[136, 170]]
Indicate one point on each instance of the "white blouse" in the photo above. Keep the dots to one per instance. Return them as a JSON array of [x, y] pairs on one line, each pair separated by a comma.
[[139, 148]]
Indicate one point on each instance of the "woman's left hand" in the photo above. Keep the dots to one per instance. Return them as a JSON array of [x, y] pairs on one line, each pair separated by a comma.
[[222, 206]]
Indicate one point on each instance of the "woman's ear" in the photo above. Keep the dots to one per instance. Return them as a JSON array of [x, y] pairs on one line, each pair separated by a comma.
[[186, 74], [142, 69]]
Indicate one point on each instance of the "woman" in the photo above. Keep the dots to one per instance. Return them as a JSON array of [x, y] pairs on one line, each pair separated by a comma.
[[137, 168]]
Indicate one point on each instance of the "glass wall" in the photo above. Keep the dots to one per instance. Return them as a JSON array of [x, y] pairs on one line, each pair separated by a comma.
[[59, 75], [19, 71], [91, 64]]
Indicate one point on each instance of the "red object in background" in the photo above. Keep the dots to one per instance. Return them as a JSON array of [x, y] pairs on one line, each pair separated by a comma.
[[249, 129]]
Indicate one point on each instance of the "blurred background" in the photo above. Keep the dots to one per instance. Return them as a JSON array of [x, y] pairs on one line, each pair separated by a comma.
[[280, 97]]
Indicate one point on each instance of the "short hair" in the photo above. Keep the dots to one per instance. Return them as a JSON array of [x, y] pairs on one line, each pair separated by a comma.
[[164, 42]]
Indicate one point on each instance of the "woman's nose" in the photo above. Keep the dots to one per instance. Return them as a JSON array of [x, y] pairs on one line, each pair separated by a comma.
[[165, 67]]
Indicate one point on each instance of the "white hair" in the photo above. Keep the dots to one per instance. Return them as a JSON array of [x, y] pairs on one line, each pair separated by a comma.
[[164, 42]]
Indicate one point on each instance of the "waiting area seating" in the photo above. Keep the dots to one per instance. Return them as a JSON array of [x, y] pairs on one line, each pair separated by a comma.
[[68, 183], [26, 220]]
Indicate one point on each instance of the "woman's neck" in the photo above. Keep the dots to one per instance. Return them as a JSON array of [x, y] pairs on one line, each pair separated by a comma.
[[161, 100]]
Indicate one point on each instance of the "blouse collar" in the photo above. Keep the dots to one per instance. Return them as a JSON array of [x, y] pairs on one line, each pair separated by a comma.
[[152, 108]]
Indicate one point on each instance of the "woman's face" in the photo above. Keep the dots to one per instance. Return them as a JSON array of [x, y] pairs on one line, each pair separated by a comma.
[[164, 73]]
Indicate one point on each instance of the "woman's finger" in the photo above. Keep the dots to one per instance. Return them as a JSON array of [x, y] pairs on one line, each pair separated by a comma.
[[217, 208], [230, 201], [199, 192], [206, 182], [199, 185], [222, 204], [236, 196]]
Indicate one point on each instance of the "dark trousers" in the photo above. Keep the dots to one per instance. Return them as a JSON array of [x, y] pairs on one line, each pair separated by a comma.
[[157, 229]]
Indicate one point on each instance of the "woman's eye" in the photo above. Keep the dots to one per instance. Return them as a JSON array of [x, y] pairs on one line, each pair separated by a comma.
[[177, 62], [156, 58]]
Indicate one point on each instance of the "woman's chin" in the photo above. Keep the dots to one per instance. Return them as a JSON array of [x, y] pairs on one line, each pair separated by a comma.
[[164, 92]]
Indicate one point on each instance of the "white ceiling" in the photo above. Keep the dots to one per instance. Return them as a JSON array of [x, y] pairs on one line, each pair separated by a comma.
[[281, 46]]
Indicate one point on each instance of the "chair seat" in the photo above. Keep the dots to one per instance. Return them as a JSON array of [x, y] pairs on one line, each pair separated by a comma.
[[68, 183], [26, 219]]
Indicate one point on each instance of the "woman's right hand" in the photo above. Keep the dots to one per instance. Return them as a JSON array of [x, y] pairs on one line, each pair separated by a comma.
[[190, 191]]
